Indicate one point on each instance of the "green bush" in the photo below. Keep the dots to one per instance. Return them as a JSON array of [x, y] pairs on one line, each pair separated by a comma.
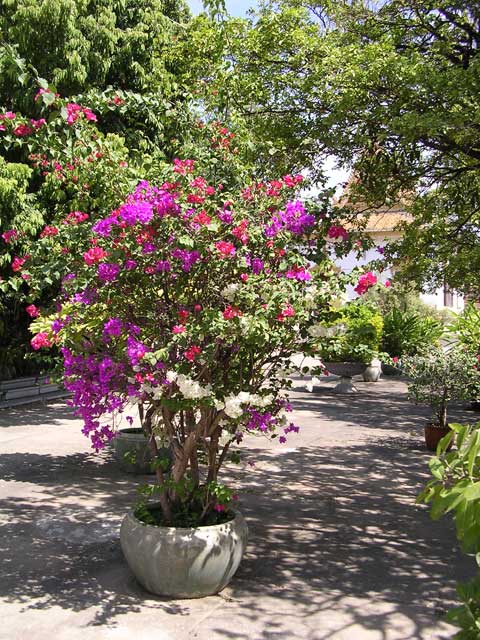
[[406, 332], [465, 328], [455, 489], [354, 335]]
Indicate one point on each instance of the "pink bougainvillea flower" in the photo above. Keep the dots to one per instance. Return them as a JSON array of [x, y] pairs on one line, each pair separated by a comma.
[[76, 217], [41, 340], [10, 235], [365, 282], [93, 255], [48, 232], [18, 262], [240, 232], [22, 130], [178, 328], [337, 231], [89, 115], [220, 508], [37, 124], [388, 283], [287, 312], [32, 311], [183, 166], [298, 273], [226, 249], [232, 312], [8, 115]]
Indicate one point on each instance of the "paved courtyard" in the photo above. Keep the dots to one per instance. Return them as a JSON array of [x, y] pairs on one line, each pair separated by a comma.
[[338, 549]]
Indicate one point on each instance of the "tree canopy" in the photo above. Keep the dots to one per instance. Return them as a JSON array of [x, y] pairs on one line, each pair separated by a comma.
[[390, 89]]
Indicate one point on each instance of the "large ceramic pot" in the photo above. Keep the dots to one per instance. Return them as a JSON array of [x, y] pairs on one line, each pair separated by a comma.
[[373, 372], [183, 563], [132, 451], [433, 435], [346, 370]]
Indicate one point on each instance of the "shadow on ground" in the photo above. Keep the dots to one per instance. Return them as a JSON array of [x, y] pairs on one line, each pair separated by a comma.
[[333, 528]]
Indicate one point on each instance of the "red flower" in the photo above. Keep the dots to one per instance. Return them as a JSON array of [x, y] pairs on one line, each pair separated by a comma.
[[192, 352], [93, 255], [226, 249], [182, 316], [337, 231], [49, 231], [232, 312], [365, 282], [202, 218], [22, 130]]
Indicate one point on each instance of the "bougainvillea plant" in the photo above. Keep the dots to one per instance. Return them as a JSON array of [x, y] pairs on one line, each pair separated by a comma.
[[188, 304]]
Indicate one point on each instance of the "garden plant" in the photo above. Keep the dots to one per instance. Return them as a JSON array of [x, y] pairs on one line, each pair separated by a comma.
[[187, 303]]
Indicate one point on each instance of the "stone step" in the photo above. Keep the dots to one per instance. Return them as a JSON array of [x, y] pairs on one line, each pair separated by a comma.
[[45, 397], [18, 383]]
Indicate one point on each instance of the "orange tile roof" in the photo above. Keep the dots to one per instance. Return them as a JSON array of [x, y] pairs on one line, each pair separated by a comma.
[[386, 220]]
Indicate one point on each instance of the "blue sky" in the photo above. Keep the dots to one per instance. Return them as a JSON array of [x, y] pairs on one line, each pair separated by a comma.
[[234, 7]]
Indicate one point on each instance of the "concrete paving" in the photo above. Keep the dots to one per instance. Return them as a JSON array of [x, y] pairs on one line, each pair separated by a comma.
[[338, 549]]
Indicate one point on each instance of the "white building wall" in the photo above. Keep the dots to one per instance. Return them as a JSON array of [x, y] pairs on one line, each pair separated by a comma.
[[436, 299]]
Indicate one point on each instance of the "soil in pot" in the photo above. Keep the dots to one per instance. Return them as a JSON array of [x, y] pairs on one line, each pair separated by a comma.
[[433, 435]]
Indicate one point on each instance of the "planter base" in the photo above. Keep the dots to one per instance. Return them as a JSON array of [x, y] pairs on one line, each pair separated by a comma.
[[183, 563], [345, 386]]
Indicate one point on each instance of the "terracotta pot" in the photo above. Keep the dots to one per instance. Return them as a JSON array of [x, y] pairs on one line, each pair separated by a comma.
[[433, 435]]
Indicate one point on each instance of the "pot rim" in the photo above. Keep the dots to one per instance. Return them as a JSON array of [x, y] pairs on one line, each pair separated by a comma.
[[437, 426], [237, 517]]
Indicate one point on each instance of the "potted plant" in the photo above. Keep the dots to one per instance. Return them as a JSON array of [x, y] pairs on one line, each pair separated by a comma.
[[349, 344], [187, 304], [437, 377]]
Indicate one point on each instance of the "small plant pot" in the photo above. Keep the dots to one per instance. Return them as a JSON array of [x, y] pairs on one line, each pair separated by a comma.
[[133, 453], [433, 435], [373, 372]]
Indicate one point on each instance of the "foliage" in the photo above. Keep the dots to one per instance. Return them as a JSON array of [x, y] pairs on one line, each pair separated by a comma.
[[93, 44], [353, 334], [407, 333], [390, 89], [189, 302], [437, 377], [455, 489], [465, 328], [406, 298]]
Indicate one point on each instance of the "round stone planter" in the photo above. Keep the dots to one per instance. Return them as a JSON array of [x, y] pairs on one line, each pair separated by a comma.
[[346, 370], [133, 441], [183, 563]]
